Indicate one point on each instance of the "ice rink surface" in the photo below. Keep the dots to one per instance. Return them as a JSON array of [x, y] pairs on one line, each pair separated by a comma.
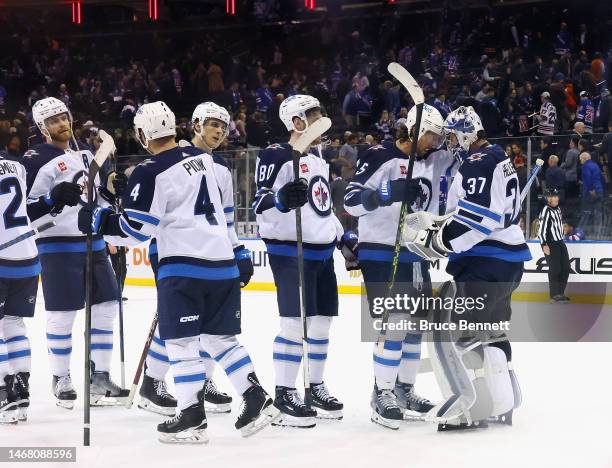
[[564, 420]]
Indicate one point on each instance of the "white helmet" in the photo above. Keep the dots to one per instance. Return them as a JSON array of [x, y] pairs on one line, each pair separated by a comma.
[[431, 121], [296, 106], [155, 120], [210, 110], [48, 107], [465, 124]]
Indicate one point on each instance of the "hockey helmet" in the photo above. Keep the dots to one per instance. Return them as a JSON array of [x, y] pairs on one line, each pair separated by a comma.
[[152, 121], [210, 110], [48, 107], [296, 106]]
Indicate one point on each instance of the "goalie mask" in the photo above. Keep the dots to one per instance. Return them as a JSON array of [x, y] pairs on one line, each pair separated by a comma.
[[464, 123], [210, 110], [46, 108], [153, 121], [297, 106]]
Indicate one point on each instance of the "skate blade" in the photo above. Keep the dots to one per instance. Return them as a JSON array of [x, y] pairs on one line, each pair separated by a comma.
[[449, 411], [9, 416], [267, 416], [411, 415], [503, 419], [329, 415], [443, 427], [285, 420], [66, 404], [217, 409], [22, 414], [191, 436], [384, 422], [148, 405], [103, 400]]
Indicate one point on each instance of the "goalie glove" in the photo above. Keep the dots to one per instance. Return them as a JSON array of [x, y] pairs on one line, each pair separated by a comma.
[[419, 221], [422, 234]]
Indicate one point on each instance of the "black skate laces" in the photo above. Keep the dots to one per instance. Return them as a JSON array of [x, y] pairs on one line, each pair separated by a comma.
[[160, 388], [387, 399]]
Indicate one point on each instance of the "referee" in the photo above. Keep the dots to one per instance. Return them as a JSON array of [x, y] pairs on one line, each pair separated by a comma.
[[553, 246]]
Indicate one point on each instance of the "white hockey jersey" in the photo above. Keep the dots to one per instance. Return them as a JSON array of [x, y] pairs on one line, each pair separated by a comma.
[[548, 118], [21, 259], [321, 230], [485, 200], [175, 198], [378, 227], [46, 166]]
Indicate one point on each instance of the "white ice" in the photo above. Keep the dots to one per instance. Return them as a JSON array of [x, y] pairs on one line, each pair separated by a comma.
[[563, 421]]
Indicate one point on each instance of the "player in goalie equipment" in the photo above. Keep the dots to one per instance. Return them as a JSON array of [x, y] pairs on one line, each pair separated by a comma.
[[486, 249]]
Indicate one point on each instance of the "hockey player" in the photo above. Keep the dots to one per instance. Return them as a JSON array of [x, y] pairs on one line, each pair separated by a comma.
[[486, 250], [375, 196], [62, 255], [210, 123], [20, 267], [175, 197], [277, 195]]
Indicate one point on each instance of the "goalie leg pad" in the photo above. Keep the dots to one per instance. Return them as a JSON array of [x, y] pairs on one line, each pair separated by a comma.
[[498, 380]]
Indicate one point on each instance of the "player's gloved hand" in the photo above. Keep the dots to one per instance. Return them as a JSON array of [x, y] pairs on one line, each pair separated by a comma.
[[348, 246], [419, 221], [92, 219], [397, 190], [428, 244], [245, 265], [116, 183], [64, 193], [291, 195]]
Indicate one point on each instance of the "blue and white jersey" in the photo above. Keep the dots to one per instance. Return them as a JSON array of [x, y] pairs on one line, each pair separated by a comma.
[[21, 259], [386, 162], [320, 227], [548, 118], [586, 114], [175, 198], [47, 166], [485, 200]]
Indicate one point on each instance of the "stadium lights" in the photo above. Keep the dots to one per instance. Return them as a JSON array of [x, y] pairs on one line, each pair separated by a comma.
[[153, 13], [76, 12], [309, 4], [230, 7]]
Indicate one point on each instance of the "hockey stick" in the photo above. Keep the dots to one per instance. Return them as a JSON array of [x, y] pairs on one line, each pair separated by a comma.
[[27, 235], [105, 149], [532, 176], [119, 276], [314, 131], [143, 357], [416, 93]]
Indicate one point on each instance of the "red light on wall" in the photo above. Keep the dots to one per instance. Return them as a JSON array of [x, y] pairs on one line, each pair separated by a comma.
[[153, 10], [76, 12], [230, 7], [309, 4]]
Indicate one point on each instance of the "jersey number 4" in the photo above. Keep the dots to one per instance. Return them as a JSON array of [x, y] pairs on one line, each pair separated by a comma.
[[10, 220], [203, 205]]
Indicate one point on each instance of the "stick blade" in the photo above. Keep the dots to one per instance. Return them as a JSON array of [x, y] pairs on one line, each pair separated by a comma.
[[314, 131], [407, 81]]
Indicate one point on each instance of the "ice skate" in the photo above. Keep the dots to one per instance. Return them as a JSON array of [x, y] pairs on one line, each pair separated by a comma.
[[413, 406], [385, 410], [8, 407], [21, 388], [257, 410], [64, 391], [293, 411], [103, 391], [328, 406], [216, 401], [187, 427], [155, 397]]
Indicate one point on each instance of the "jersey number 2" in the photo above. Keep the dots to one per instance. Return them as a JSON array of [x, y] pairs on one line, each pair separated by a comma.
[[10, 220], [203, 205]]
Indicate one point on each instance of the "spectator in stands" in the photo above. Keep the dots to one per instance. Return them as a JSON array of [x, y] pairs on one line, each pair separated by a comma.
[[384, 126], [441, 104], [521, 170], [570, 168], [555, 177], [347, 156], [563, 40], [592, 196], [572, 232], [586, 112], [547, 117], [257, 132]]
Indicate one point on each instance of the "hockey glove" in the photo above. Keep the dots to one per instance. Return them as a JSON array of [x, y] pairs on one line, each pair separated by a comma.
[[245, 265], [64, 193], [92, 219], [348, 246], [398, 190], [117, 183], [291, 195]]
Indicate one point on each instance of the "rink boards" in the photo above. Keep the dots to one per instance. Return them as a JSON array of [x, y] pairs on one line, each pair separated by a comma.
[[591, 266]]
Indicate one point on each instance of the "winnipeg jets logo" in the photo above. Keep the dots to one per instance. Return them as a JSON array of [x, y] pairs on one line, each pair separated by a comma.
[[275, 146], [81, 179], [424, 199], [30, 153], [319, 196], [475, 157]]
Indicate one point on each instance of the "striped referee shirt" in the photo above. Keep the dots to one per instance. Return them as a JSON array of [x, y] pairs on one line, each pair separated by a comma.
[[551, 225]]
